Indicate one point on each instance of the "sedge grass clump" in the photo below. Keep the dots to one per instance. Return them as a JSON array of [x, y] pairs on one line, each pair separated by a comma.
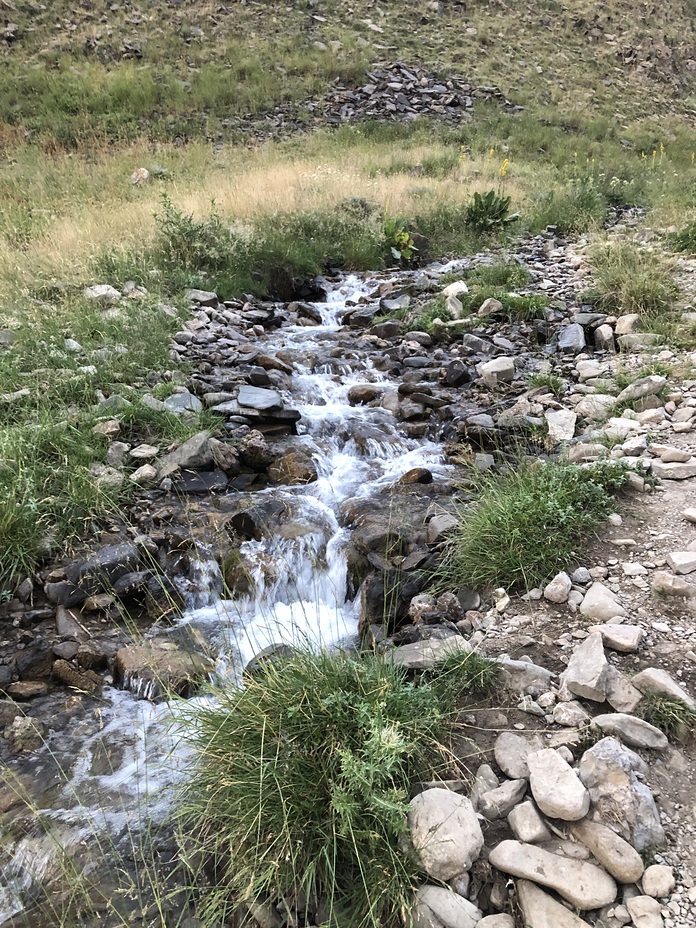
[[302, 781], [633, 280], [553, 382], [672, 716], [531, 523]]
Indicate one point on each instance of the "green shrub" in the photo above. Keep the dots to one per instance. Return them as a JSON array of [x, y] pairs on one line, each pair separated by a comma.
[[531, 523], [303, 778], [685, 239]]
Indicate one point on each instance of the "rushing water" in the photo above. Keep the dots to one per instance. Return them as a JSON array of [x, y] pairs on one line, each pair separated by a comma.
[[121, 758]]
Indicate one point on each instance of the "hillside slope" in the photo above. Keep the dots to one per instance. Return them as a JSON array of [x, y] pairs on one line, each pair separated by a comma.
[[74, 73]]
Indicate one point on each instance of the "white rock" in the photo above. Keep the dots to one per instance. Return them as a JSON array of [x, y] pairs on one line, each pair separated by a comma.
[[557, 590], [422, 655], [600, 604], [455, 289], [682, 562], [654, 680], [579, 882], [621, 694], [596, 406], [561, 424], [658, 881], [543, 911], [437, 907], [646, 386], [527, 825], [445, 832], [675, 456], [634, 732], [586, 673], [624, 638], [102, 292], [674, 471], [556, 788], [628, 324], [689, 515], [645, 912], [570, 714], [497, 371], [616, 855]]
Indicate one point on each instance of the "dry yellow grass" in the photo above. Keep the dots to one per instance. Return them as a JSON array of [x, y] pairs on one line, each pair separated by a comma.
[[91, 206]]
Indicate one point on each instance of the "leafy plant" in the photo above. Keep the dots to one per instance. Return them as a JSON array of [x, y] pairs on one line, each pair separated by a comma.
[[303, 778], [531, 523], [399, 240], [489, 212]]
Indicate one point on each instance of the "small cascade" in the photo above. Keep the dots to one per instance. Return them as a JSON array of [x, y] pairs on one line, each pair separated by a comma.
[[117, 766]]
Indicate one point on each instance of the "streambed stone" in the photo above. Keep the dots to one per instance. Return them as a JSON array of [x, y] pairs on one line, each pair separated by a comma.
[[437, 907], [445, 833], [583, 884], [612, 851], [556, 788], [543, 911], [633, 731]]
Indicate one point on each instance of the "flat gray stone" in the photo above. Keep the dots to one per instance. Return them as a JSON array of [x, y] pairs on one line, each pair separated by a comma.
[[422, 655], [510, 751], [586, 673], [616, 855], [258, 398], [498, 803], [437, 907], [600, 604], [557, 790], [527, 825], [623, 638], [581, 883], [657, 681], [675, 471], [645, 912], [634, 732]]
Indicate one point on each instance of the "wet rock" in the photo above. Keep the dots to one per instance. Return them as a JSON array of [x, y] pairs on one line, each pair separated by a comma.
[[25, 734], [24, 690], [423, 655], [555, 787], [611, 773], [586, 674], [658, 881], [85, 682], [582, 884], [543, 911], [658, 681], [416, 475], [445, 833], [293, 469], [159, 667], [633, 731], [527, 825], [225, 456], [99, 571], [254, 451], [617, 856], [571, 339], [457, 374], [364, 393], [437, 907]]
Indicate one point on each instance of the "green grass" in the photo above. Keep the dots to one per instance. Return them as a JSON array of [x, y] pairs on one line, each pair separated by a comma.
[[529, 524], [303, 778], [630, 279], [671, 716], [500, 275], [552, 382]]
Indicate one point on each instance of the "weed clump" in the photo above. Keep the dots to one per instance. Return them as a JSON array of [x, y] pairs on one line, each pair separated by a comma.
[[671, 716], [529, 524], [303, 778]]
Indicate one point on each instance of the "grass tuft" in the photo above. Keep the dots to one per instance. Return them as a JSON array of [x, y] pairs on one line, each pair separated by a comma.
[[633, 280], [303, 779], [671, 716], [531, 523]]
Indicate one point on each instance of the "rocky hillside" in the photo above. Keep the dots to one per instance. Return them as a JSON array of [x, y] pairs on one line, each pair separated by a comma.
[[79, 72]]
